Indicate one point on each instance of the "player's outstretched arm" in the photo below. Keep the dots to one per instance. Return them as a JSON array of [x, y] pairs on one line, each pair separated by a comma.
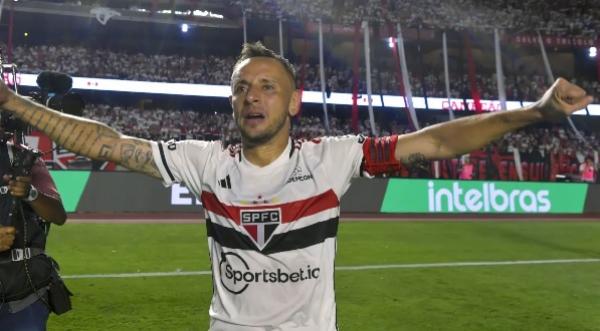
[[82, 136], [450, 139]]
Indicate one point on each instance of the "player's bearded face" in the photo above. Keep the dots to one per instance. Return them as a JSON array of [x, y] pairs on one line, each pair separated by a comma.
[[262, 100]]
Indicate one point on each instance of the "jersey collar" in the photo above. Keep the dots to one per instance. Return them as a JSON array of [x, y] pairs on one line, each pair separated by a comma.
[[281, 159]]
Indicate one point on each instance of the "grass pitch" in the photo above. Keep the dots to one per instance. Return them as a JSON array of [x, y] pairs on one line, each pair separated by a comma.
[[555, 296]]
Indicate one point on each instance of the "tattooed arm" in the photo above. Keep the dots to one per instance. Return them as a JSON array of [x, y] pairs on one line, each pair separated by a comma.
[[82, 136], [447, 140]]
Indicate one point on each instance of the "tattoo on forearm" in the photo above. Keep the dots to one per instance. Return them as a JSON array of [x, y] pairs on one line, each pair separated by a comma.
[[52, 125], [143, 157], [100, 134], [413, 159], [36, 117], [105, 152], [27, 114], [45, 122], [88, 138], [65, 133], [55, 128], [84, 138], [127, 151], [135, 155], [94, 139], [81, 144], [75, 135], [415, 162]]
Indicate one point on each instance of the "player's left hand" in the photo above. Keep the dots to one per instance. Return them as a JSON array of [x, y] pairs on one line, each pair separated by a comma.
[[18, 186], [561, 100]]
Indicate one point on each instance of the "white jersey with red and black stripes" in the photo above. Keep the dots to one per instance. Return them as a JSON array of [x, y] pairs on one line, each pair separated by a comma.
[[271, 230]]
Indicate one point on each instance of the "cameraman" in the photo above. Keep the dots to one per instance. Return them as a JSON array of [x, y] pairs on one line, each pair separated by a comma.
[[28, 277]]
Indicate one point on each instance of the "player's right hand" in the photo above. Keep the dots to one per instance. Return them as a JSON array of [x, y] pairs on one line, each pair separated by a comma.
[[7, 237]]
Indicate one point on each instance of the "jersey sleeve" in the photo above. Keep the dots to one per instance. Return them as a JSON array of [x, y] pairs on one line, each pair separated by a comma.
[[351, 156], [341, 158], [182, 161]]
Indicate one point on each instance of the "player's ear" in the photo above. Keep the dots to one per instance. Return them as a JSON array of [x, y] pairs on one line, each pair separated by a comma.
[[294, 106]]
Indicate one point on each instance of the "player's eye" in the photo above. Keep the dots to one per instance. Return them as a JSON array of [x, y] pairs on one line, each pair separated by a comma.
[[240, 88]]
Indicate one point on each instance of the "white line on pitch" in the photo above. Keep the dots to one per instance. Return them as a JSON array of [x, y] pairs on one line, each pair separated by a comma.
[[347, 268], [463, 264], [140, 274]]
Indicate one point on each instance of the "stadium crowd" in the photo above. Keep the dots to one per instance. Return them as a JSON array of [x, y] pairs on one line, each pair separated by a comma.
[[574, 17], [102, 63], [546, 144], [579, 17]]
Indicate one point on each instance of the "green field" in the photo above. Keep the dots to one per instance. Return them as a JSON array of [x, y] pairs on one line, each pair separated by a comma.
[[553, 296]]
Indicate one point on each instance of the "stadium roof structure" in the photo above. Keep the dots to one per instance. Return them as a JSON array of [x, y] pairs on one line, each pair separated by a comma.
[[148, 3], [206, 13]]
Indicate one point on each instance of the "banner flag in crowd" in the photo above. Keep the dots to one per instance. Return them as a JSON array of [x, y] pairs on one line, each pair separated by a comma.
[[322, 74], [1, 7], [598, 57], [447, 76], [245, 26], [281, 36], [499, 71], [304, 61], [396, 57], [472, 76], [518, 165], [379, 78], [355, 77], [550, 77], [436, 164], [405, 80], [547, 67], [365, 26], [420, 70]]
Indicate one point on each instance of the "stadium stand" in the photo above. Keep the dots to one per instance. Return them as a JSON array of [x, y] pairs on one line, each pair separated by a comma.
[[549, 145], [100, 63], [580, 17]]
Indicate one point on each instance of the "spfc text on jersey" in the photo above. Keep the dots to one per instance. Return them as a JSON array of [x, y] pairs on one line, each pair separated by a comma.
[[265, 216]]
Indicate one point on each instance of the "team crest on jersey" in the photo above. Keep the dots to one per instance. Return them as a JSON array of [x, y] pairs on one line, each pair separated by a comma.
[[260, 224]]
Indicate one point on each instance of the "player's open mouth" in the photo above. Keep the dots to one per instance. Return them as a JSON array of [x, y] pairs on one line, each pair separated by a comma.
[[254, 118]]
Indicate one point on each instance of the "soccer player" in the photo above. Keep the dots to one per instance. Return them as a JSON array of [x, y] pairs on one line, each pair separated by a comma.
[[272, 204]]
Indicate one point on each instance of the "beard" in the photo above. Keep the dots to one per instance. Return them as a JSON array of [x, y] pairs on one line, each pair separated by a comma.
[[260, 138]]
